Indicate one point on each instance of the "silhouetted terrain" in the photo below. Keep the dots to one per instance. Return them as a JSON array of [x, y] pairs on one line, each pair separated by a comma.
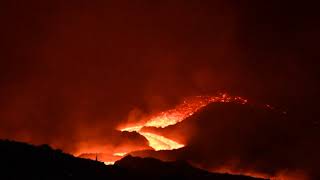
[[24, 161]]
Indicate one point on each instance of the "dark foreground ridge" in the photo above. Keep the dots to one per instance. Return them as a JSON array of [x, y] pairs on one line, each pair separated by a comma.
[[24, 161]]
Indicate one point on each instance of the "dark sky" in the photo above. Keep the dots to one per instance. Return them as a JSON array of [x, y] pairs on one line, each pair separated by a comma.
[[72, 70]]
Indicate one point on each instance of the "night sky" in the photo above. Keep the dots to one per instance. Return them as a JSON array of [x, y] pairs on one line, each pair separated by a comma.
[[73, 70]]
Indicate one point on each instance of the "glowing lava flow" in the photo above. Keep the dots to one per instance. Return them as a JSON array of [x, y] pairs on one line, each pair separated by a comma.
[[157, 142], [119, 154], [108, 162], [188, 108], [160, 143], [175, 115], [163, 119]]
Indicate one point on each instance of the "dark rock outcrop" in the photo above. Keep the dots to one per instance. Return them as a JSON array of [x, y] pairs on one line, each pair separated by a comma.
[[24, 161]]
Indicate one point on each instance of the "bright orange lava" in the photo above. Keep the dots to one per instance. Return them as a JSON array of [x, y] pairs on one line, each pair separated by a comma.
[[188, 108], [108, 162], [171, 117], [161, 143], [176, 115], [120, 154]]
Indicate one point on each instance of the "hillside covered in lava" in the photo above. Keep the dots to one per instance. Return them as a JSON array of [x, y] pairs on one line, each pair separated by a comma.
[[25, 161], [239, 138], [236, 137]]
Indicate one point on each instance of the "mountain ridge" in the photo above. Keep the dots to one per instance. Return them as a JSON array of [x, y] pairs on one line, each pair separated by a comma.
[[24, 161]]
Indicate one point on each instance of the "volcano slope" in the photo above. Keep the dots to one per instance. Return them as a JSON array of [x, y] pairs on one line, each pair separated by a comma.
[[244, 139], [24, 161]]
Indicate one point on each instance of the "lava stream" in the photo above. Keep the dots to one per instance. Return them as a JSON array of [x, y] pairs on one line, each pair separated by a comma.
[[108, 162], [175, 115], [120, 154], [158, 142]]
